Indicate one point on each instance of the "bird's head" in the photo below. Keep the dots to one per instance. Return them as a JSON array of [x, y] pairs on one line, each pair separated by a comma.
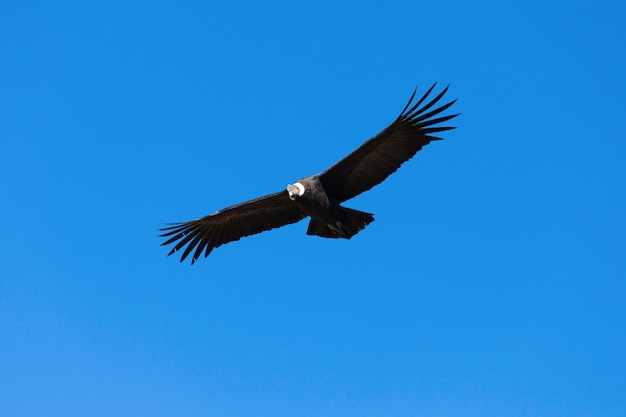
[[295, 190]]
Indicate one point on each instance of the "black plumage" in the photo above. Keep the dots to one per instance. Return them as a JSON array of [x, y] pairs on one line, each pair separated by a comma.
[[320, 196]]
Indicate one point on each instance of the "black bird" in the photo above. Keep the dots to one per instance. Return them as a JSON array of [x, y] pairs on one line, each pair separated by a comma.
[[320, 196]]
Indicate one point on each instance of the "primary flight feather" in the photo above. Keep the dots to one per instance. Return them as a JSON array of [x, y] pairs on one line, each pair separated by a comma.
[[319, 196]]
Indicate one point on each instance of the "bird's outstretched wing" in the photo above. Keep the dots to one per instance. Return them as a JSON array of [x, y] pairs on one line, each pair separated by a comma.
[[231, 224], [383, 154]]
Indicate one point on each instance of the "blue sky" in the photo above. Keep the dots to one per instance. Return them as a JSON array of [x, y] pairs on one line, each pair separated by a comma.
[[491, 283]]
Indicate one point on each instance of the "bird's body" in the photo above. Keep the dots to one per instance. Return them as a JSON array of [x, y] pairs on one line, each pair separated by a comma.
[[320, 196], [328, 217]]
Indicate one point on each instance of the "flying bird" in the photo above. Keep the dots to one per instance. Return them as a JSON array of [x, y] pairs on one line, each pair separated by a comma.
[[320, 196]]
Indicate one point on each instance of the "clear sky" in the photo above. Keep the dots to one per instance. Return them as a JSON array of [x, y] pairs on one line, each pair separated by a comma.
[[492, 283]]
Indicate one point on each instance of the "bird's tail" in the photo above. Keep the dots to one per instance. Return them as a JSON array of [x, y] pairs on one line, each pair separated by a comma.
[[349, 223]]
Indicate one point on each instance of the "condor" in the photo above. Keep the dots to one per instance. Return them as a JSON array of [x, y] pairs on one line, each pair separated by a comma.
[[320, 196]]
